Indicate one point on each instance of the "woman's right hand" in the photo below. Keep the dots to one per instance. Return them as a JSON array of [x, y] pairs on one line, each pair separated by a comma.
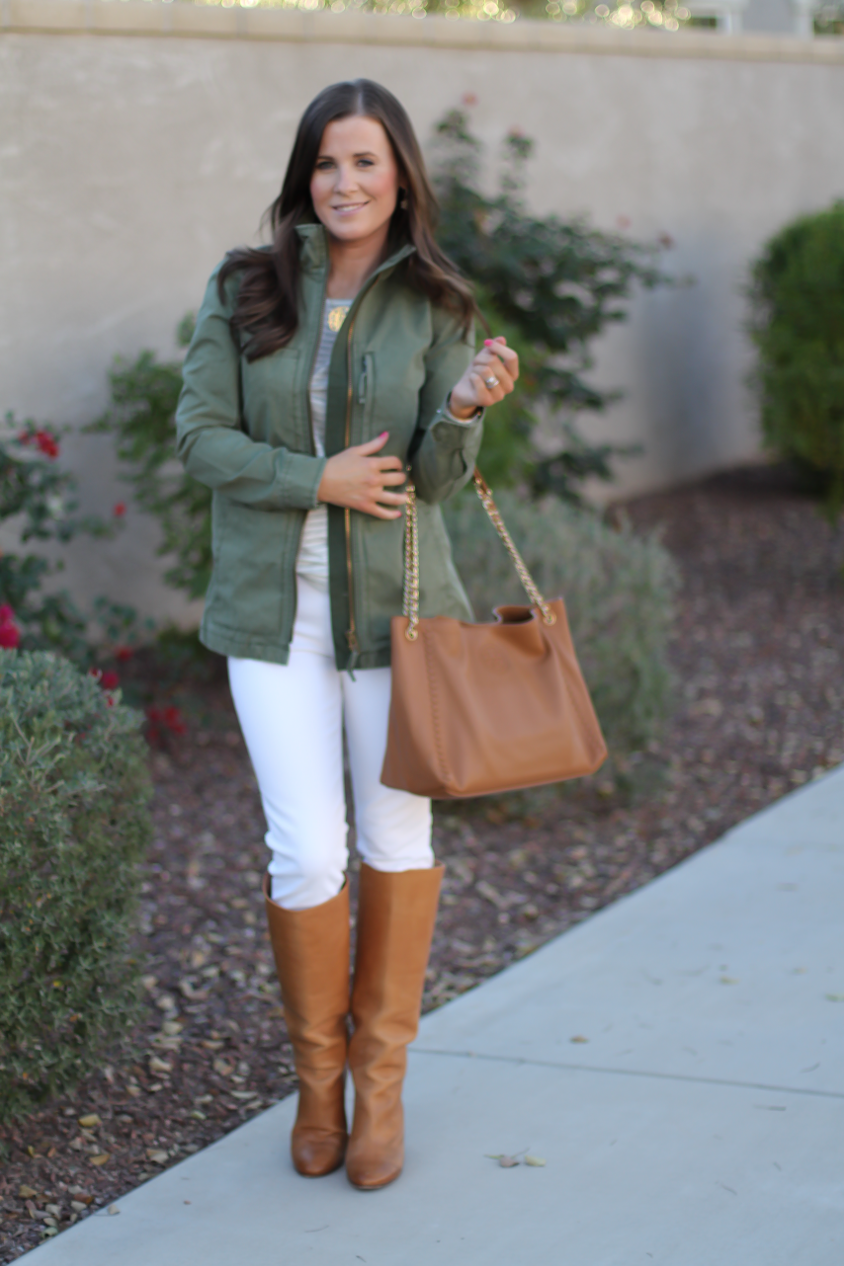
[[360, 479]]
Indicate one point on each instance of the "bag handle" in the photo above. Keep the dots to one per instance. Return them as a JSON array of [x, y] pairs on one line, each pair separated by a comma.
[[410, 605]]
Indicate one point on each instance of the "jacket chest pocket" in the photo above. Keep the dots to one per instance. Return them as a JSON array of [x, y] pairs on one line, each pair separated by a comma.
[[386, 396]]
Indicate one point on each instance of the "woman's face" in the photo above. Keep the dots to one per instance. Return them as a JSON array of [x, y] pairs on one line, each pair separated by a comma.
[[355, 184]]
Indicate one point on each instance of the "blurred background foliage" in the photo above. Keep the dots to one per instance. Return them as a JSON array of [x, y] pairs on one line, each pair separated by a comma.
[[551, 285], [797, 325], [829, 19], [666, 15], [39, 503], [141, 416]]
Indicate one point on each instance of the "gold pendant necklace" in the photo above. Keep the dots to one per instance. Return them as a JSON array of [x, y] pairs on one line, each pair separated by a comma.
[[336, 317]]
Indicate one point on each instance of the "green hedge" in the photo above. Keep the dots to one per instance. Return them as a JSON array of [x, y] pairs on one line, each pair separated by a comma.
[[619, 591], [74, 822], [797, 294]]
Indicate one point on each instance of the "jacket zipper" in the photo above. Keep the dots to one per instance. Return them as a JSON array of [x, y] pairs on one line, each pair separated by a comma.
[[351, 632], [311, 433]]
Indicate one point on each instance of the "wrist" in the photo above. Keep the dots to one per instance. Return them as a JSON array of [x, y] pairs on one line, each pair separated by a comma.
[[461, 413], [324, 487]]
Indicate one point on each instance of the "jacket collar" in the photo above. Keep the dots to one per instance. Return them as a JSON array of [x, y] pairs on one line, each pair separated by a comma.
[[315, 250]]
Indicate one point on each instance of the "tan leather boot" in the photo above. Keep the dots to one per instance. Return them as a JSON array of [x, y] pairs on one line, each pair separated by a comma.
[[396, 915], [311, 949]]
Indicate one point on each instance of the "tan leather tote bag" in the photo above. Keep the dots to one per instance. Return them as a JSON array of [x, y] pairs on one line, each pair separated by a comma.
[[481, 708]]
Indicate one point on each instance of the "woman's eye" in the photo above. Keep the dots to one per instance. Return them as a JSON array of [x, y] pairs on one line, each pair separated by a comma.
[[365, 162], [324, 164]]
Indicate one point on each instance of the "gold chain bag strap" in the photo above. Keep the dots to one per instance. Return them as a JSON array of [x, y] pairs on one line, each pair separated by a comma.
[[483, 708]]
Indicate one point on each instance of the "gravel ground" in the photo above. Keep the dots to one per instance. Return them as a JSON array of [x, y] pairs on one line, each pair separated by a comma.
[[758, 653]]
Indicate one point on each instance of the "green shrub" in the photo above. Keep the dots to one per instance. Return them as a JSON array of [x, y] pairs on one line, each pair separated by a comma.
[[619, 591], [144, 395], [797, 293], [74, 823], [829, 18], [552, 285]]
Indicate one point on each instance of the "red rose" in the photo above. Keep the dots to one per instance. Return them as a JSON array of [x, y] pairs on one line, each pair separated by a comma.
[[153, 716], [109, 680], [174, 720], [161, 721], [119, 510], [47, 444], [10, 634]]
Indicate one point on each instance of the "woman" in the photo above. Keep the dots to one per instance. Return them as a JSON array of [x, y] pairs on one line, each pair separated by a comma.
[[322, 368]]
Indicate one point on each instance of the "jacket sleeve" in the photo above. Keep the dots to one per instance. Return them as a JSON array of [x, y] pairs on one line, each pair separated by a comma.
[[443, 453], [210, 439]]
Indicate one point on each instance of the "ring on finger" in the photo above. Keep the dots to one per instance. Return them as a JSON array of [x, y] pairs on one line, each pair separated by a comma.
[[491, 382]]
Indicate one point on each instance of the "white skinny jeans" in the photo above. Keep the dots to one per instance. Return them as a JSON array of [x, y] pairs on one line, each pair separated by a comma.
[[292, 717]]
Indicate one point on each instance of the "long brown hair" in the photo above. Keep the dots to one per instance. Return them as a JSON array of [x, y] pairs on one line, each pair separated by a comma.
[[267, 304]]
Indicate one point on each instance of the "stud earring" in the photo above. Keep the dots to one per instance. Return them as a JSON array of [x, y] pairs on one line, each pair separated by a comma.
[[403, 200]]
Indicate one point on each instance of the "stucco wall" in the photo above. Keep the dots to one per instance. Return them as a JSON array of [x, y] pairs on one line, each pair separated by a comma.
[[140, 140]]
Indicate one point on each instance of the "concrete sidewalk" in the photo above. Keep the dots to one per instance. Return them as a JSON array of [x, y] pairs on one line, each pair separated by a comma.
[[701, 1122]]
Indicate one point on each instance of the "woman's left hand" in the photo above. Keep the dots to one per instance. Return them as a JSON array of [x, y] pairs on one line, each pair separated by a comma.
[[490, 377]]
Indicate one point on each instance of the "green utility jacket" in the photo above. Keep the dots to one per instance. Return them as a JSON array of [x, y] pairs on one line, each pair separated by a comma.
[[244, 430]]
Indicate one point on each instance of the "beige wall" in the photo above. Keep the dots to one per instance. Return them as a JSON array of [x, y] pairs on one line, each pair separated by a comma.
[[139, 140]]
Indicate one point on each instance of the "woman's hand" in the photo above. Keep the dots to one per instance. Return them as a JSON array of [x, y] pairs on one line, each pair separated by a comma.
[[359, 478], [490, 377]]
